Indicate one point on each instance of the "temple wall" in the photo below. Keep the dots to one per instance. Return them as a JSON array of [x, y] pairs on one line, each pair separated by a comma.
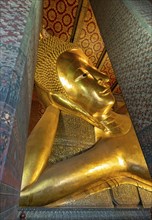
[[21, 21], [126, 29]]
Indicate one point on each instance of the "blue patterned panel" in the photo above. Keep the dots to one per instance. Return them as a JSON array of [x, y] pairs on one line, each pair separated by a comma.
[[21, 22], [127, 32], [17, 24], [13, 21], [14, 14]]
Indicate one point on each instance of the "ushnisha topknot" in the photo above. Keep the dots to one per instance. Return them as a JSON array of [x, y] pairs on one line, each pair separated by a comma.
[[46, 75]]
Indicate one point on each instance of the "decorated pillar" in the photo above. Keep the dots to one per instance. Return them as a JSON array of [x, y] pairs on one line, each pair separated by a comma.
[[126, 29], [20, 25]]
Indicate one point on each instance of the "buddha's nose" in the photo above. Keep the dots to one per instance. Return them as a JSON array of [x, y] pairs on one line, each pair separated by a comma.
[[101, 82], [97, 74]]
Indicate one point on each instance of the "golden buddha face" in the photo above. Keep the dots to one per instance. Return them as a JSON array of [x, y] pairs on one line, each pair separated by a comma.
[[84, 84], [66, 79]]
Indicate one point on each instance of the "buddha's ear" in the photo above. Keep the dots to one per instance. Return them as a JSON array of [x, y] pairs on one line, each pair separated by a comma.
[[63, 103]]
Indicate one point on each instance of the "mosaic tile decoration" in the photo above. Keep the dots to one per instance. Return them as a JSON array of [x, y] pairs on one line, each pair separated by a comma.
[[13, 61], [141, 11], [129, 46], [12, 66], [58, 17], [19, 41], [13, 21], [15, 156], [90, 39], [87, 214]]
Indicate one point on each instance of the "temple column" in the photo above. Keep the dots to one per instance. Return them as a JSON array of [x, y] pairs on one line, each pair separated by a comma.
[[20, 25], [126, 28]]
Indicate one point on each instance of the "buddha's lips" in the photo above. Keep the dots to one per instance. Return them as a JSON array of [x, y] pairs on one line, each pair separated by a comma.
[[105, 92]]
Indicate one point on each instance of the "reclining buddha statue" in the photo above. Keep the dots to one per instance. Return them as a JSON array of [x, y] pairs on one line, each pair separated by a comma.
[[66, 80]]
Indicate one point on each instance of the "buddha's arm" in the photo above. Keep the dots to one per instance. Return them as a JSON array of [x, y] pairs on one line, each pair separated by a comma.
[[39, 146], [66, 105], [112, 159]]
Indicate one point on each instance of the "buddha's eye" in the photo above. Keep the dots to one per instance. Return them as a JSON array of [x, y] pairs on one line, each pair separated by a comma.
[[82, 76]]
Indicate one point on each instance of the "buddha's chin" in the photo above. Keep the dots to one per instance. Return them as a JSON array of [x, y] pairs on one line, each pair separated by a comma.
[[112, 125], [101, 116]]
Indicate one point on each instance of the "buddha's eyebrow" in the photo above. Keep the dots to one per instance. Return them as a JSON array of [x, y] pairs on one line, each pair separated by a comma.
[[97, 74], [83, 74]]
